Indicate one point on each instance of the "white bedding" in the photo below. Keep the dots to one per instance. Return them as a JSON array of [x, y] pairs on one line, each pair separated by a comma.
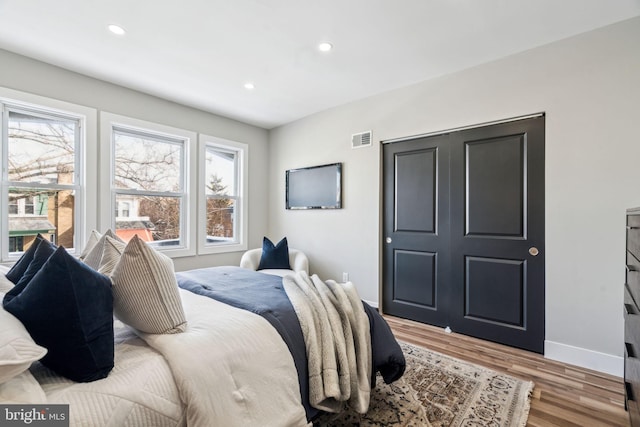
[[226, 362], [139, 391], [222, 366], [229, 368]]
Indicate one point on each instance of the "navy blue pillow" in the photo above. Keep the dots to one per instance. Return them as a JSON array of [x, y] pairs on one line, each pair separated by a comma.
[[67, 307], [276, 257], [22, 264], [43, 252]]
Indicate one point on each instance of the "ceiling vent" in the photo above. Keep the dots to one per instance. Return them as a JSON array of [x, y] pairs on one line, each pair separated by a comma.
[[359, 140]]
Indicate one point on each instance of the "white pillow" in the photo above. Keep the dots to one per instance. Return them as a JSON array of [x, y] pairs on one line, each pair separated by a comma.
[[94, 237], [5, 284], [95, 254], [110, 255], [145, 290], [23, 388], [17, 348]]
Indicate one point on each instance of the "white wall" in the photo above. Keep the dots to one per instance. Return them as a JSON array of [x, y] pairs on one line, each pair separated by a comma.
[[589, 88], [27, 75]]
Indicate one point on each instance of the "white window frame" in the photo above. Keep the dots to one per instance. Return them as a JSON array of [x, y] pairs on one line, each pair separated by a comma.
[[241, 225], [109, 121], [84, 178]]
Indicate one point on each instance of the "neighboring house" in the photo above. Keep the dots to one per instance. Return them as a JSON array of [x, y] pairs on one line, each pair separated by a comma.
[[129, 223], [51, 215], [28, 217]]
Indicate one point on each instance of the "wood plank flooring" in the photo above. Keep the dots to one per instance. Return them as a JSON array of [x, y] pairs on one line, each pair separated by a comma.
[[563, 396]]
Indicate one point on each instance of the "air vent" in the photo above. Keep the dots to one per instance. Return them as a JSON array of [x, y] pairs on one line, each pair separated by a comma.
[[359, 140]]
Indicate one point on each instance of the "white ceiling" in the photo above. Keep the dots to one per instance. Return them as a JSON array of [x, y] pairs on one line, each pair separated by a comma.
[[201, 52]]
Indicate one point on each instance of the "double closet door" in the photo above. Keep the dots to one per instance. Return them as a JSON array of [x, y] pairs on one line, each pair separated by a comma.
[[463, 231]]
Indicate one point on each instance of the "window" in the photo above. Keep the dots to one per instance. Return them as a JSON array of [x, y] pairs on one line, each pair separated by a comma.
[[41, 163], [124, 209], [29, 206], [16, 244], [222, 190], [149, 183], [13, 206]]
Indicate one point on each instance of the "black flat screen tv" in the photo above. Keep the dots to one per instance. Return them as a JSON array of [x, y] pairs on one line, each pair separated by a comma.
[[316, 187]]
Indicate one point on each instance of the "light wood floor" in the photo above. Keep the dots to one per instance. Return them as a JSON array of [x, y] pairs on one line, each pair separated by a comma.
[[563, 396]]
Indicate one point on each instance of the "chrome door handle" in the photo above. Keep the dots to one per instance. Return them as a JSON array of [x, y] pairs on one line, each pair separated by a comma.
[[388, 240], [533, 251]]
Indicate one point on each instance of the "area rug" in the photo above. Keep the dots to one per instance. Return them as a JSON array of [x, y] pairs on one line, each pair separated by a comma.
[[437, 390]]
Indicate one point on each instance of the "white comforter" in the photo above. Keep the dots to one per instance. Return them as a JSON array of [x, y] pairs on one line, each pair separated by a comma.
[[224, 377], [139, 391]]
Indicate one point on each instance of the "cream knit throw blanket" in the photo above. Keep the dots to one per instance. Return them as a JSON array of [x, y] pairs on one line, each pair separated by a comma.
[[338, 341]]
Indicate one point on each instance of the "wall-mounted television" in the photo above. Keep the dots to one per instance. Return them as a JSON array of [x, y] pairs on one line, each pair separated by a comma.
[[315, 187]]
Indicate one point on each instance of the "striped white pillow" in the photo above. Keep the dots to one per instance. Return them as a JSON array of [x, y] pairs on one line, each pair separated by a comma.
[[110, 255], [145, 290], [94, 237], [95, 254]]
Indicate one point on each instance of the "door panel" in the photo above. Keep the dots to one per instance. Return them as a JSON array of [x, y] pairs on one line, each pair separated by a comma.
[[414, 279], [497, 214], [461, 213], [495, 182], [416, 190], [416, 217], [494, 291]]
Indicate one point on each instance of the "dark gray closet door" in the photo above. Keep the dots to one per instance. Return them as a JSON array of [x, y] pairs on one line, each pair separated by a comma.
[[497, 233], [464, 213], [416, 229]]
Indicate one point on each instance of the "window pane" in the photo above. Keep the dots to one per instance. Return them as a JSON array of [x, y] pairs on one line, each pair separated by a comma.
[[40, 149], [29, 206], [125, 210], [16, 244], [52, 215], [221, 220], [146, 163], [220, 172], [155, 220]]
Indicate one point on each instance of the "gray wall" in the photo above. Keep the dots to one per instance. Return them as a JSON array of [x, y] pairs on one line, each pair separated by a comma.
[[589, 88], [27, 75]]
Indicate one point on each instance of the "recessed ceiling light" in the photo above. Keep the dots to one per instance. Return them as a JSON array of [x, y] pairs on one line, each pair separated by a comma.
[[249, 86], [325, 46], [116, 29]]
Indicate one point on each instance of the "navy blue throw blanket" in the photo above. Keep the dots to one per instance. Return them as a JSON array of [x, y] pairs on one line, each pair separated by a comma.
[[264, 295]]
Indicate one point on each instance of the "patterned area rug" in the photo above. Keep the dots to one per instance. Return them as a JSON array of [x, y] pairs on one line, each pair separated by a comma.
[[439, 391]]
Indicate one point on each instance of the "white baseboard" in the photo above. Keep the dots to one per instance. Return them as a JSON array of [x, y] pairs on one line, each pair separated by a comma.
[[590, 359], [601, 362]]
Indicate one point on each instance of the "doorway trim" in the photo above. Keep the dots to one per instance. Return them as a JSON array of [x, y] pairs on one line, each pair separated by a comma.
[[460, 128]]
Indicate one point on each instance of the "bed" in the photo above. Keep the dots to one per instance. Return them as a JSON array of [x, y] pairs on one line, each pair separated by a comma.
[[240, 358]]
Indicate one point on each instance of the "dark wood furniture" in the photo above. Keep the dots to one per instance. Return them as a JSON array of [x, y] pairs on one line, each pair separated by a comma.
[[632, 317]]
